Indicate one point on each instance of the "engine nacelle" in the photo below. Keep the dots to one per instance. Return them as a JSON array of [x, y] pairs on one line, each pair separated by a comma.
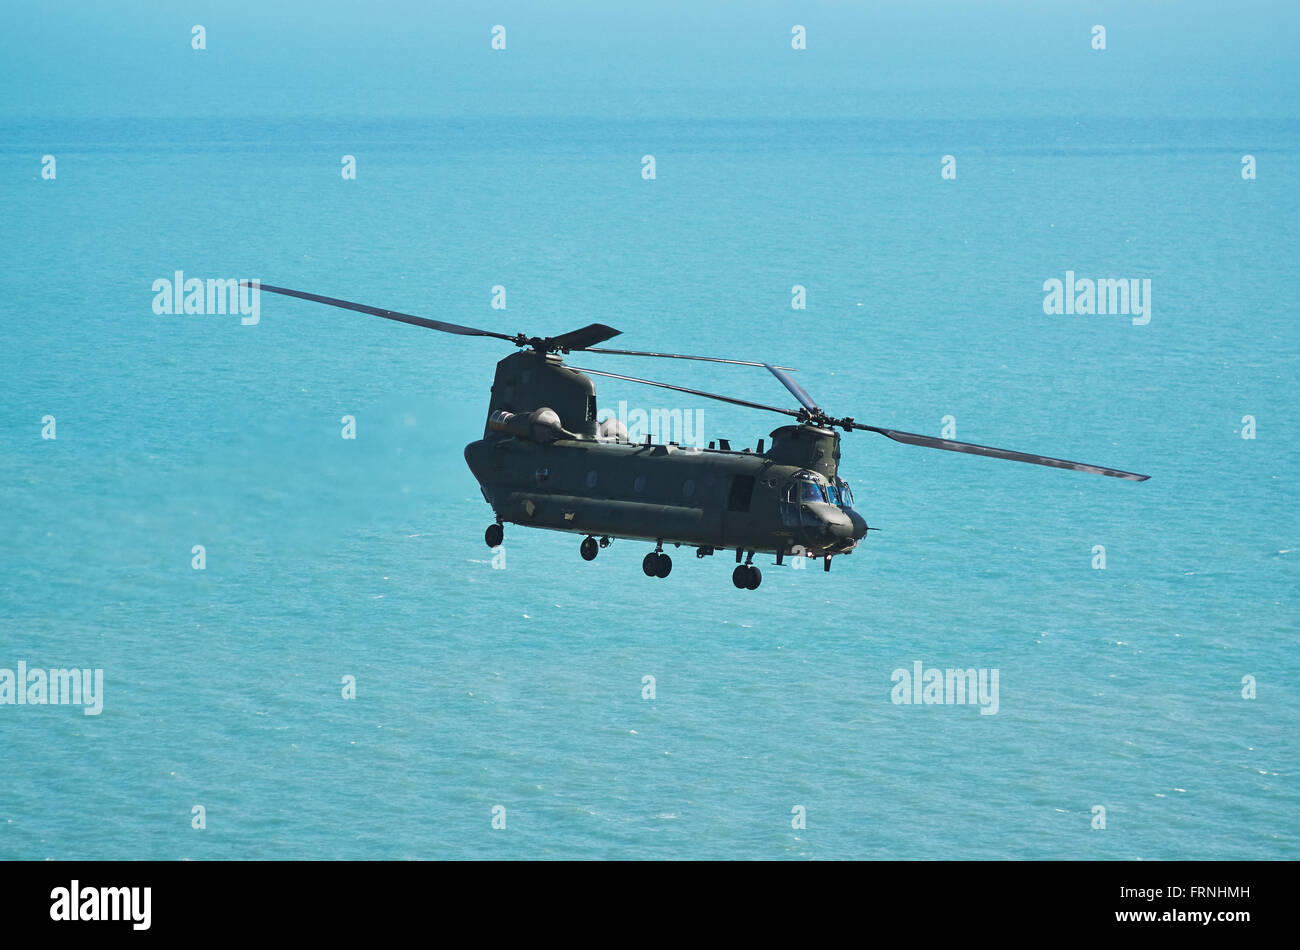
[[541, 425]]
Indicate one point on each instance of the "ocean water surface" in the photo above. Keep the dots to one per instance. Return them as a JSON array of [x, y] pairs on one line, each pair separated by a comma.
[[522, 687]]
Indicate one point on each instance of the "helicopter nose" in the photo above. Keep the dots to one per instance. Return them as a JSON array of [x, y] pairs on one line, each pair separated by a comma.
[[839, 525], [859, 524]]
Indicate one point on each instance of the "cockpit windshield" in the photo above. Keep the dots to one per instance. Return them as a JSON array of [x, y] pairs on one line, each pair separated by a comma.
[[833, 495]]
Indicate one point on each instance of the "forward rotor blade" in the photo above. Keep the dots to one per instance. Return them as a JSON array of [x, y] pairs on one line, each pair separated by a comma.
[[693, 392], [799, 392], [389, 314], [584, 338], [970, 448], [680, 356]]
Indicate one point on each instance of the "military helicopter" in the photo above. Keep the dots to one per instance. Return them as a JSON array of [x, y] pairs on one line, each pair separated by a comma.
[[544, 461]]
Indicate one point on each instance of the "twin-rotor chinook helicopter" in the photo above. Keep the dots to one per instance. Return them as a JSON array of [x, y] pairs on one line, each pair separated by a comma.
[[546, 462]]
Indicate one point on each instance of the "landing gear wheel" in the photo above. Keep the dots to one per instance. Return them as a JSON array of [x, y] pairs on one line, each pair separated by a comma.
[[605, 542], [589, 549], [663, 565], [740, 576], [755, 578], [650, 565], [494, 535]]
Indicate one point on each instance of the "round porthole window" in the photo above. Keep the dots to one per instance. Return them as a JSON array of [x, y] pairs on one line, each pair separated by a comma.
[[591, 479], [688, 487], [638, 485]]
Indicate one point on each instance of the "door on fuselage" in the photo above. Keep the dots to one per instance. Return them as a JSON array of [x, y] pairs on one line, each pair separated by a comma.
[[736, 518]]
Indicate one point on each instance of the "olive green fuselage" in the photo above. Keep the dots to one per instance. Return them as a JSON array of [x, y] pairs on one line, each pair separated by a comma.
[[569, 479], [661, 493]]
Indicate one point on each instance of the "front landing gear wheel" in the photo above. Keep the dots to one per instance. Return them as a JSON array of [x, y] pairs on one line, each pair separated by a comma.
[[755, 578], [589, 549], [494, 535], [746, 577]]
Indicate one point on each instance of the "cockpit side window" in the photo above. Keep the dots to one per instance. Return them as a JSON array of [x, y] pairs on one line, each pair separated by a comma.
[[811, 491], [846, 495]]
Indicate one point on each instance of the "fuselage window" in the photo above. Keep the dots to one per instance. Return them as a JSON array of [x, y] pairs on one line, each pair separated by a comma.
[[591, 479], [688, 487], [742, 491], [638, 485], [591, 408]]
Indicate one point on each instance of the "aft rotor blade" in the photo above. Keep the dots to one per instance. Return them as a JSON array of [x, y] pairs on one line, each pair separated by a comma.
[[680, 356], [389, 314], [799, 392], [911, 438], [693, 392], [584, 338]]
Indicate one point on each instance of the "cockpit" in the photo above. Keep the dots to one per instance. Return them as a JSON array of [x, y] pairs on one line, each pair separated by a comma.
[[810, 487], [819, 513]]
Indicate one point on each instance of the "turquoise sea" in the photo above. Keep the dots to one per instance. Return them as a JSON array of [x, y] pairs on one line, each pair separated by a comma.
[[522, 687]]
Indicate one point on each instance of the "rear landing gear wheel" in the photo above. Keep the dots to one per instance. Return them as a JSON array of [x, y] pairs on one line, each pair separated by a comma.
[[755, 578], [589, 549], [657, 564], [746, 577], [494, 535]]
